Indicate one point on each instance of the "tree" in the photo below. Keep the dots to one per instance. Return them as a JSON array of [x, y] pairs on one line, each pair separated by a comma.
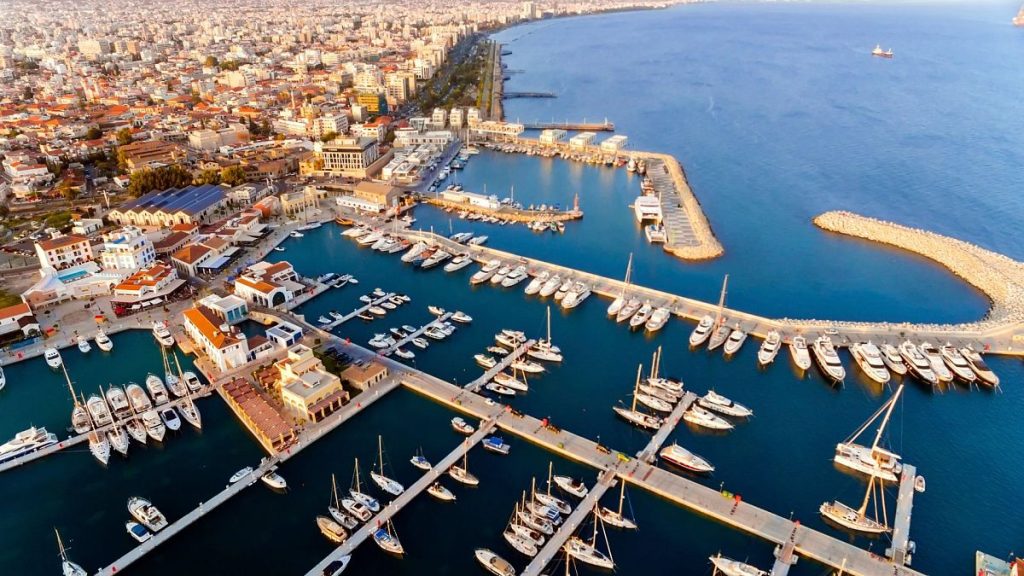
[[329, 136], [210, 62], [209, 176], [93, 133], [58, 220], [233, 176], [229, 65], [124, 136], [145, 181], [65, 189]]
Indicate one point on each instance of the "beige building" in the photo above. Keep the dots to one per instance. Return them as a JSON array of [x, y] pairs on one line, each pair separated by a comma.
[[306, 386], [347, 156], [61, 252], [362, 376]]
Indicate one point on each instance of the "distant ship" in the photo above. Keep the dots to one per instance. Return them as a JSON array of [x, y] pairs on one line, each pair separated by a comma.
[[1018, 20], [881, 53]]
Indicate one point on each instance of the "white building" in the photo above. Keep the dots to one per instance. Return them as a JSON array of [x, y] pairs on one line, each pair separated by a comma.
[[457, 118], [127, 249], [439, 118], [471, 198], [411, 137], [552, 136], [225, 346], [269, 284], [581, 140], [614, 143], [61, 252]]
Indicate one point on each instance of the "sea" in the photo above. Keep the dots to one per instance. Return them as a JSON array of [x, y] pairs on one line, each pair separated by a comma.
[[778, 112]]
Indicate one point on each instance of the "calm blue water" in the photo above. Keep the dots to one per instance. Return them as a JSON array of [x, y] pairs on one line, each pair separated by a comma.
[[777, 113]]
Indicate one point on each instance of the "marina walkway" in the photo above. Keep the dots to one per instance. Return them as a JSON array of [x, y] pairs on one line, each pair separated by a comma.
[[366, 530], [901, 550], [650, 453], [339, 321], [505, 362], [409, 338]]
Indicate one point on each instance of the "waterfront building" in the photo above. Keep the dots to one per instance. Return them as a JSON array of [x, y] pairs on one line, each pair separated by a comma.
[[411, 137], [581, 140], [457, 118], [439, 118], [306, 387], [614, 144], [63, 251], [127, 249], [552, 136], [348, 156], [207, 256], [148, 283], [363, 375], [230, 309], [17, 322], [298, 201], [269, 285], [504, 131], [224, 345], [471, 198], [165, 208], [284, 334]]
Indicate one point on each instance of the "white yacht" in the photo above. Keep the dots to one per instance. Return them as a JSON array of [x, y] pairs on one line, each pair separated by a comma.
[[984, 373], [154, 425], [53, 359], [679, 456], [136, 430], [938, 365], [192, 381], [103, 342], [387, 539], [730, 567], [893, 360], [871, 460], [435, 259], [458, 263], [146, 514], [828, 360], [157, 389], [462, 427], [628, 309], [138, 398], [588, 553], [798, 351], [170, 418], [385, 483], [718, 403], [98, 410], [537, 282], [500, 274], [414, 252], [653, 402], [83, 345], [493, 563], [118, 402], [647, 208], [736, 339], [162, 334], [515, 277], [658, 319], [572, 486], [869, 359], [702, 331], [356, 509], [917, 364], [701, 417], [519, 543], [274, 480], [851, 518], [68, 568], [576, 296], [26, 442], [440, 492], [460, 473], [551, 286], [769, 348], [641, 316], [957, 363], [332, 530], [528, 366]]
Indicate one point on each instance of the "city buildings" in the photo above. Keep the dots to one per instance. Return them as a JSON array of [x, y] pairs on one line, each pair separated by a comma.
[[127, 249], [165, 208], [63, 251]]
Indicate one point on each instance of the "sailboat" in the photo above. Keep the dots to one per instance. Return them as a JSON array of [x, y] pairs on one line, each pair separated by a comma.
[[544, 349], [635, 417], [620, 301], [721, 331], [335, 508], [874, 461], [387, 539], [546, 498], [616, 518], [730, 567], [170, 378], [386, 484], [587, 552], [461, 473], [356, 492], [857, 519], [80, 420], [68, 567], [188, 409]]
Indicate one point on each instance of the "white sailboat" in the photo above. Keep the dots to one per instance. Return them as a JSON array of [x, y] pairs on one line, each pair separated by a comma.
[[545, 349], [587, 552], [462, 474], [730, 567], [335, 508], [359, 496], [632, 415], [620, 301], [385, 483], [387, 539], [68, 568], [874, 460], [857, 519], [616, 517]]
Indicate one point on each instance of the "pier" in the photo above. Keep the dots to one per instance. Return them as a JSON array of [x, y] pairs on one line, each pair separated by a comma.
[[650, 453], [410, 337], [902, 549], [339, 321], [510, 95], [505, 362], [505, 212], [584, 126]]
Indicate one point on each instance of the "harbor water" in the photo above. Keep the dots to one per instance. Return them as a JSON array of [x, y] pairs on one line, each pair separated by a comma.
[[777, 113]]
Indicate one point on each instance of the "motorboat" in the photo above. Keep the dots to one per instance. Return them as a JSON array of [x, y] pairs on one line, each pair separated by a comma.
[[917, 364], [827, 359], [957, 363], [274, 480], [485, 273], [658, 319], [519, 543], [370, 239], [323, 320], [641, 316], [537, 283], [460, 237], [576, 296], [387, 305], [499, 389], [462, 427], [477, 240], [356, 232], [683, 458], [798, 351], [985, 374], [436, 258], [139, 400], [497, 445], [420, 343], [98, 410], [238, 476], [26, 442], [332, 530], [336, 567], [192, 381], [701, 417], [514, 277], [137, 531], [436, 310], [99, 446], [493, 563], [380, 341], [146, 514], [170, 418], [404, 354], [53, 359], [500, 274], [769, 348], [157, 389], [81, 422], [414, 252], [702, 331], [458, 263], [736, 339], [387, 539], [162, 334], [356, 509], [485, 360], [83, 346], [461, 317], [154, 425], [377, 311], [938, 365], [730, 567], [551, 286], [440, 492], [718, 403], [892, 359], [869, 359], [571, 486]]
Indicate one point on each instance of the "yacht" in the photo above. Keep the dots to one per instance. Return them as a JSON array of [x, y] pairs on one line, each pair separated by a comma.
[[719, 336], [499, 389], [332, 530], [154, 425], [192, 381], [118, 402], [274, 480], [730, 567], [576, 296], [435, 259], [628, 309], [458, 263], [658, 319], [385, 483], [146, 514], [537, 283], [53, 359], [957, 363], [238, 476], [656, 233], [461, 473], [984, 373], [136, 430], [358, 495], [98, 410], [798, 351], [99, 446], [118, 440], [387, 539], [461, 317], [769, 348], [877, 51], [869, 359], [420, 461], [679, 456], [701, 417], [500, 274], [551, 286], [515, 277], [524, 531], [917, 364], [572, 486], [81, 422], [641, 315], [587, 553], [139, 400], [420, 343], [68, 568], [26, 442], [162, 334], [893, 361], [440, 492], [137, 531], [718, 403], [653, 402], [157, 389], [478, 240], [414, 252], [935, 359], [485, 361], [563, 289], [462, 427], [356, 509], [736, 339], [83, 345], [542, 525], [702, 331], [3, 379], [510, 381], [190, 412], [493, 563], [647, 208], [103, 341], [369, 239], [170, 418], [828, 360], [851, 518]]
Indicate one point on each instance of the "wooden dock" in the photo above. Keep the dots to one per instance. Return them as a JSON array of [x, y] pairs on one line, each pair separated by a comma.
[[505, 362]]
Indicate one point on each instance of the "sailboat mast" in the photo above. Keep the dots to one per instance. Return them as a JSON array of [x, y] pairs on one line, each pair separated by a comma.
[[721, 298], [636, 387], [622, 496], [380, 448], [885, 420], [334, 491], [551, 468], [654, 364]]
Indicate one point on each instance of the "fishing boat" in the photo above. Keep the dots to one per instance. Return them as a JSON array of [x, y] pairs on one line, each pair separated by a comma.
[[118, 439], [440, 492], [869, 359], [98, 410], [701, 417], [385, 483], [957, 363], [170, 418], [571, 486], [103, 342], [274, 480], [332, 530], [892, 359], [616, 517], [146, 514], [462, 474], [497, 445], [873, 461], [154, 425], [641, 316], [387, 539], [938, 365], [985, 374], [587, 552], [157, 390], [519, 543], [718, 403], [798, 351], [827, 359], [769, 348], [493, 563], [658, 319], [137, 531], [53, 359], [69, 568], [83, 345], [238, 476], [917, 364], [702, 331], [679, 456], [162, 334], [99, 446], [877, 51], [358, 495], [730, 567], [736, 339]]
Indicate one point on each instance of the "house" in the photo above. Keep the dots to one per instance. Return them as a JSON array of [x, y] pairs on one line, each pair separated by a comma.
[[205, 257], [60, 252], [269, 285], [285, 334], [148, 282], [17, 321], [151, 154], [306, 386], [225, 346]]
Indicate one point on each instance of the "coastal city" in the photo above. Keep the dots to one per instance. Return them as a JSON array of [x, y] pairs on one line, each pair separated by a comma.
[[500, 287]]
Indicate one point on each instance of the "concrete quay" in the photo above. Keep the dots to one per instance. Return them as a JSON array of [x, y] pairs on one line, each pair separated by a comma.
[[504, 363], [508, 212]]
